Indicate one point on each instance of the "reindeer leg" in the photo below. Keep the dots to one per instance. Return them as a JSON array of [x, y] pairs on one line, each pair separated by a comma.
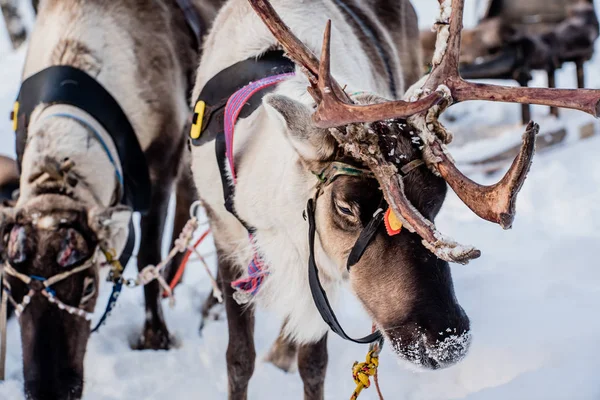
[[241, 353], [155, 335], [312, 364], [283, 352], [209, 305]]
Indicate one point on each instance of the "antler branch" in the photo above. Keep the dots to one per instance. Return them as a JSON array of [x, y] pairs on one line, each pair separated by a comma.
[[335, 107], [358, 143], [445, 71], [586, 100], [443, 87], [495, 203]]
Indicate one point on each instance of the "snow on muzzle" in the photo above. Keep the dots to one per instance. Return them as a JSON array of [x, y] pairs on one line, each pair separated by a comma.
[[430, 349]]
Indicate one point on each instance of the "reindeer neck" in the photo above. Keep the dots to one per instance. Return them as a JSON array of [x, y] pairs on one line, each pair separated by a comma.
[[140, 52]]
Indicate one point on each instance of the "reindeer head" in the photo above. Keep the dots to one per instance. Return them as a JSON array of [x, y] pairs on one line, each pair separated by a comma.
[[403, 280], [54, 240], [59, 227]]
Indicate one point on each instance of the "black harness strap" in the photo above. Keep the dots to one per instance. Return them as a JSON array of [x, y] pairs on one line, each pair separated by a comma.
[[360, 246], [220, 87], [316, 288], [68, 85], [193, 20], [364, 239], [215, 94]]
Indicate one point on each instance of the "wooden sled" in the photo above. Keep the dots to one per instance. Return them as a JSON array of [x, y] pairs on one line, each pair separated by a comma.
[[473, 158], [515, 37]]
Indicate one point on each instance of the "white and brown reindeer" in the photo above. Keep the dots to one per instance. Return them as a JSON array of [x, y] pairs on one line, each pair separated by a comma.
[[132, 62], [348, 156]]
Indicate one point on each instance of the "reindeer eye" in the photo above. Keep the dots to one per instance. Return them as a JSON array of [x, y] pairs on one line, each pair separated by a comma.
[[89, 289], [344, 210]]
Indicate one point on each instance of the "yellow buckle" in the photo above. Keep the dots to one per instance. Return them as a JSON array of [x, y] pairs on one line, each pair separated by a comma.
[[14, 116], [198, 116]]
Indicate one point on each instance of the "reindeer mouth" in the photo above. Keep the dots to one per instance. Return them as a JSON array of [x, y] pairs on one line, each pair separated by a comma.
[[427, 354]]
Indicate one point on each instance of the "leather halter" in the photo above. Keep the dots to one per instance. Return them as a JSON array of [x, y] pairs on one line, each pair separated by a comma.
[[215, 95], [193, 20], [365, 238]]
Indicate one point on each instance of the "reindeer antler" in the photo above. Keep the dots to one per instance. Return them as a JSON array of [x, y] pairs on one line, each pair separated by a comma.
[[494, 203], [443, 87], [446, 72], [335, 107]]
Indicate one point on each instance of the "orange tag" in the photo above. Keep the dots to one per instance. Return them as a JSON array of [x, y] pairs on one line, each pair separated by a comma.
[[393, 226]]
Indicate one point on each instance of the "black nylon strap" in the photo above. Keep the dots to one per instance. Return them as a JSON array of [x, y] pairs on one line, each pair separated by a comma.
[[364, 239], [220, 87], [228, 189], [193, 19], [215, 94], [318, 293], [68, 85]]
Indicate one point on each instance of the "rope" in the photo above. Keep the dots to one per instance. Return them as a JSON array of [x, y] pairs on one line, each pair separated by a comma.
[[46, 284], [182, 244], [180, 270], [363, 371]]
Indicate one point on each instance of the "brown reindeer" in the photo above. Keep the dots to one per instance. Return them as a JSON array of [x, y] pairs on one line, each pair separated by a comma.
[[74, 172], [308, 176]]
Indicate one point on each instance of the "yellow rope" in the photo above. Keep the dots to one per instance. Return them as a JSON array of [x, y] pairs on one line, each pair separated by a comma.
[[362, 372]]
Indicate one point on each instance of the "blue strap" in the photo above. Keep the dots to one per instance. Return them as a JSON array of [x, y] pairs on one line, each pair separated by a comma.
[[98, 137], [112, 302], [118, 285], [42, 279]]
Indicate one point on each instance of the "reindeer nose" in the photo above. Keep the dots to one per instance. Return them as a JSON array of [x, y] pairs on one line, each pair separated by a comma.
[[447, 345]]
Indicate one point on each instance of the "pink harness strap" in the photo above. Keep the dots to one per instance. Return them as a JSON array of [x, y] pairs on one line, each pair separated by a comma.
[[248, 286], [235, 104]]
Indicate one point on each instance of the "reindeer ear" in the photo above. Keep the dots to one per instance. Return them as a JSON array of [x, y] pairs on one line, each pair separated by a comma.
[[312, 143], [111, 226]]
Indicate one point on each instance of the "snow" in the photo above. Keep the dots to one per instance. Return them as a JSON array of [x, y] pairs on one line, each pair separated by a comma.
[[532, 297]]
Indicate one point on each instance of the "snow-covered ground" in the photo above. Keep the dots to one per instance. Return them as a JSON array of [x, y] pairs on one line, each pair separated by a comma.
[[532, 297]]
